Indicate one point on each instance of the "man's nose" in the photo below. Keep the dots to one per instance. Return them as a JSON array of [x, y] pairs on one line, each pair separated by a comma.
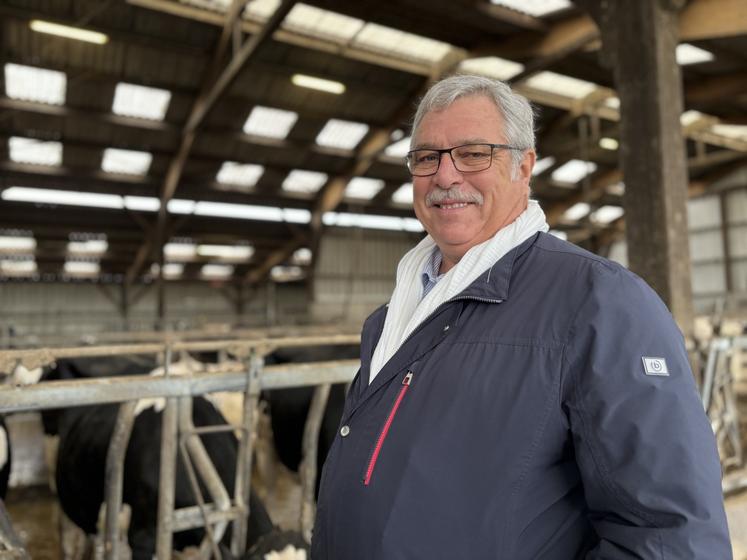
[[447, 175]]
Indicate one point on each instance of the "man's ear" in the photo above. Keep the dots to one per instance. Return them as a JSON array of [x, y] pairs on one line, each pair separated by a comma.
[[524, 172]]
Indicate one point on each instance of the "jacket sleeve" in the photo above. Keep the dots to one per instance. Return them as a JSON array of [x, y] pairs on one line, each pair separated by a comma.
[[643, 444]]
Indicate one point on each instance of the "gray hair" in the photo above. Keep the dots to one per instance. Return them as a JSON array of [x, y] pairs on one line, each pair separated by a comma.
[[517, 112]]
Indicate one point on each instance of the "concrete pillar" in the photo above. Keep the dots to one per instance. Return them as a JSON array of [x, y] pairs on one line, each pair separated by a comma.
[[639, 40]]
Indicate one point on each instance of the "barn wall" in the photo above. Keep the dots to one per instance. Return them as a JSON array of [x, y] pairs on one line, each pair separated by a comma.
[[355, 271], [76, 309]]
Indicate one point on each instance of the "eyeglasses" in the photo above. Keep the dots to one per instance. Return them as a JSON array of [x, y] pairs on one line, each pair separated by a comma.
[[468, 158]]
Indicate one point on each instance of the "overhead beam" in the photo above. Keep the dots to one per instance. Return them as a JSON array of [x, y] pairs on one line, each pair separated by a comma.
[[713, 19], [507, 15]]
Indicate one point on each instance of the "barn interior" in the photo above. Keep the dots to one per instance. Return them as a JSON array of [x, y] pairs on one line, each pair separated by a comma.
[[219, 171]]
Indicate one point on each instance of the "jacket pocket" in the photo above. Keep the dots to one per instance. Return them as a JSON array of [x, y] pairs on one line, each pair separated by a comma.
[[385, 429]]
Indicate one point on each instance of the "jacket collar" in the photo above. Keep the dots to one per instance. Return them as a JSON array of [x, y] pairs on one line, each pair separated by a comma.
[[495, 282]]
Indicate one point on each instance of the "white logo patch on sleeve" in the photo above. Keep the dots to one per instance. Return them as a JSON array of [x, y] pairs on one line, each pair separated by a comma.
[[655, 366]]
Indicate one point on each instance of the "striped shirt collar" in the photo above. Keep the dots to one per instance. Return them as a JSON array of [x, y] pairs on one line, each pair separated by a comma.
[[430, 275]]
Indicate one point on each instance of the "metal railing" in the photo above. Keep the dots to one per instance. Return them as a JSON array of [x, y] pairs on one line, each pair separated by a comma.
[[250, 378]]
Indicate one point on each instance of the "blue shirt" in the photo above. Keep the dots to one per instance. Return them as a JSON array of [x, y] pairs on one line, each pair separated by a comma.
[[430, 275]]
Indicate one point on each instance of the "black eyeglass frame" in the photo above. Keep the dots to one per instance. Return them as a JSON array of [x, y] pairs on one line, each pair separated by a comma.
[[451, 155]]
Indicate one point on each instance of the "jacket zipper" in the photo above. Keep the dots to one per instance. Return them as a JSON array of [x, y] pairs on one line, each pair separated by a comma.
[[385, 430]]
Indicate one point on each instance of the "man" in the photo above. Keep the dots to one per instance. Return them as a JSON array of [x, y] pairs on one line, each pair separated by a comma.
[[519, 398]]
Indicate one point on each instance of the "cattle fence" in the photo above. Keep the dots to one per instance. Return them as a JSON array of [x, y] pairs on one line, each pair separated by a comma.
[[248, 375]]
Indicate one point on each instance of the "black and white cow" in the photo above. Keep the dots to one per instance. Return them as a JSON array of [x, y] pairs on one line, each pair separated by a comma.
[[85, 433], [5, 458], [289, 407]]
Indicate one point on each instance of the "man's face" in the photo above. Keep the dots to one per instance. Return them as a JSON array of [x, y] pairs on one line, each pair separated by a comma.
[[448, 203]]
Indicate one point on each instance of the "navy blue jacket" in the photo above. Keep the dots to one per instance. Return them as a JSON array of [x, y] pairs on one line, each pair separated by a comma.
[[530, 417]]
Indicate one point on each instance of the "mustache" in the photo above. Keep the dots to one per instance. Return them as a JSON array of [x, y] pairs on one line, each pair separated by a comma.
[[452, 195]]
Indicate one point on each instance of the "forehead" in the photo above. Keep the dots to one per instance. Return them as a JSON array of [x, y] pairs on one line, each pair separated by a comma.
[[468, 119]]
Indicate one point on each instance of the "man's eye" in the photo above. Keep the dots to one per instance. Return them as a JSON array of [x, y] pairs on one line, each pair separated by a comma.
[[426, 158]]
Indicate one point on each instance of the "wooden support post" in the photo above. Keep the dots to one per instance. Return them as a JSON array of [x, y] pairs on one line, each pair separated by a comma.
[[639, 41]]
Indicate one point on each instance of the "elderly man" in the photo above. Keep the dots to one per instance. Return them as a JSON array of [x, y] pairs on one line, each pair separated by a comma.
[[518, 398]]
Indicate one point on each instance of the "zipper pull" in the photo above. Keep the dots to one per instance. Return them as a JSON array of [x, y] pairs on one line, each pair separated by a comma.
[[407, 379]]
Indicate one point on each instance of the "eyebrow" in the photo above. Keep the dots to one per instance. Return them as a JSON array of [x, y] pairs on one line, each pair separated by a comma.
[[462, 142]]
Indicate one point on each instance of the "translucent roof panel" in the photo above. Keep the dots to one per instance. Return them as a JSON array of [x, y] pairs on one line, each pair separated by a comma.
[[322, 24], [399, 149], [404, 45], [536, 8], [319, 84], [577, 211], [282, 273], [216, 270], [87, 246], [243, 174], [142, 203], [72, 198], [128, 162], [403, 195], [16, 244], [371, 221], [363, 187], [180, 251], [141, 102], [573, 171], [606, 214], [300, 180], [76, 33], [213, 5], [689, 117], [296, 215], [170, 270], [258, 10], [491, 66], [561, 85], [542, 165], [38, 152], [82, 268], [269, 122], [226, 252], [18, 266], [302, 256], [341, 134], [181, 206], [241, 211], [690, 54], [29, 83]]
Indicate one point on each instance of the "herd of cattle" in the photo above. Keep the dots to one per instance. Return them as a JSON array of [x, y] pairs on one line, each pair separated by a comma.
[[84, 434]]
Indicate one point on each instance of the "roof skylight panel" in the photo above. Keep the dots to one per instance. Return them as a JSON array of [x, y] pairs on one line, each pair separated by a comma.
[[577, 211], [171, 271], [81, 268], [72, 198], [535, 8], [282, 273], [270, 122], [561, 85], [142, 203], [29, 83], [737, 131], [216, 270], [220, 6], [403, 195], [37, 152], [322, 24], [142, 102], [259, 10], [399, 149], [300, 180], [241, 211], [243, 174], [128, 162], [606, 214], [370, 221], [573, 171], [16, 244], [87, 244], [690, 54], [180, 250], [181, 206], [226, 252], [296, 215], [542, 165], [404, 45], [492, 66], [302, 256], [341, 134], [18, 266], [363, 187]]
